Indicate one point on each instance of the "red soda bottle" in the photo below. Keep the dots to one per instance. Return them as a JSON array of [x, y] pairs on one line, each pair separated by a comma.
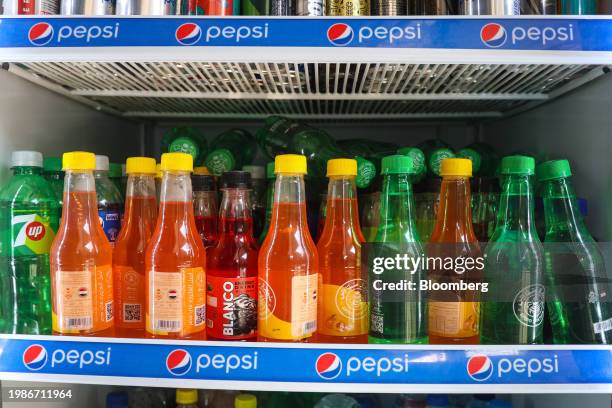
[[205, 208]]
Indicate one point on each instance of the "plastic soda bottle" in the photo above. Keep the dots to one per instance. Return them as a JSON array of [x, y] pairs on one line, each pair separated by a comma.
[[369, 203], [288, 261], [343, 306], [269, 201], [230, 151], [427, 201], [186, 398], [52, 171], [158, 178], [81, 257], [245, 401], [129, 252], [454, 314], [231, 272], [175, 259], [110, 202], [115, 172], [513, 307], [28, 221], [485, 198], [205, 208], [579, 291], [397, 317], [258, 197]]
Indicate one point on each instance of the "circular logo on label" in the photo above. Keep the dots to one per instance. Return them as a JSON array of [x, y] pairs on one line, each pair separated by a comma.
[[528, 305], [348, 299], [35, 231], [267, 299], [328, 366]]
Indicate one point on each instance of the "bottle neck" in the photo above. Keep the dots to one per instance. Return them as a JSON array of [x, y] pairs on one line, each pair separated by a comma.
[[516, 206], [176, 187], [235, 213], [454, 219], [100, 173], [397, 210], [561, 209], [80, 203], [79, 181], [289, 194], [140, 185], [205, 203], [26, 170]]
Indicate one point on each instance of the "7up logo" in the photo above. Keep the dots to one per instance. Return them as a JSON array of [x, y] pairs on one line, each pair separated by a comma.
[[31, 235]]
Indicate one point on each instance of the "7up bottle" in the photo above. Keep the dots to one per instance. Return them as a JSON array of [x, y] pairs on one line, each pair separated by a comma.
[[28, 221]]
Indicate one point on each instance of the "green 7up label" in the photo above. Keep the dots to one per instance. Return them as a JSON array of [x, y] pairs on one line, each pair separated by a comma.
[[32, 235]]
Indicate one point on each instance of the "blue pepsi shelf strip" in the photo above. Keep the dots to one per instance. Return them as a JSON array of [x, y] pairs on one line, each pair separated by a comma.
[[537, 34], [288, 366]]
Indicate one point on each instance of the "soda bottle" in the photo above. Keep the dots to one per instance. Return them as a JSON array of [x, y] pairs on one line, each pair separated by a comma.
[[175, 259], [205, 208], [185, 139], [578, 7], [369, 206], [578, 286], [28, 221], [231, 271], [427, 201], [158, 179], [269, 200], [371, 150], [454, 314], [343, 306], [258, 197], [485, 198], [129, 252], [115, 173], [186, 398], [321, 215], [255, 7], [110, 203], [418, 161], [245, 401], [435, 150], [81, 257], [52, 172], [201, 171], [230, 151], [513, 307], [288, 262], [397, 317], [484, 159]]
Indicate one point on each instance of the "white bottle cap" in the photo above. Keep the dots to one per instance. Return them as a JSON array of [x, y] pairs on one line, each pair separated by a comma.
[[257, 172], [101, 162], [26, 158]]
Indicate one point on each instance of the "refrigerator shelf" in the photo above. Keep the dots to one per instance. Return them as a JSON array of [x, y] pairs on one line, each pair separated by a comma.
[[300, 367]]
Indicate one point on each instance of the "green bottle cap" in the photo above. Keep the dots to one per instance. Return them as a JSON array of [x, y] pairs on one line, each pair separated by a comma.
[[52, 164], [114, 170], [219, 161], [397, 164], [270, 170], [436, 157], [473, 155], [418, 159], [366, 172], [185, 144], [554, 169], [520, 165]]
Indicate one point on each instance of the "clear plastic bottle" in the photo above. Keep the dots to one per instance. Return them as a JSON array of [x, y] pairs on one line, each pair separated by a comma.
[[186, 398], [269, 201], [81, 257], [258, 197], [427, 201], [52, 171], [205, 208], [245, 401], [115, 173], [110, 202]]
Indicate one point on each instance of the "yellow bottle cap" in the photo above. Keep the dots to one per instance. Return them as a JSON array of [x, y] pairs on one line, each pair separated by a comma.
[[177, 162], [186, 396], [140, 165], [78, 161], [456, 167], [341, 167], [290, 163], [158, 172], [245, 401], [201, 171]]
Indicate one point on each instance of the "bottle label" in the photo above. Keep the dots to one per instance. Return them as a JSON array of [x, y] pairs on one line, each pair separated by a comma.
[[453, 319], [528, 305], [177, 302], [111, 224], [345, 313], [231, 307], [31, 234], [84, 300], [130, 293], [602, 327]]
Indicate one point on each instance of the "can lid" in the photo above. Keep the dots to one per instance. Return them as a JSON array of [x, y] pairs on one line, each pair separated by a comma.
[[245, 401], [236, 179], [203, 182], [456, 167], [257, 172], [554, 169], [184, 144], [473, 155], [102, 162], [290, 163], [417, 156], [219, 161], [186, 396], [176, 162], [29, 158], [78, 161], [397, 164], [114, 170], [270, 170], [52, 164], [519, 165], [144, 165], [341, 167]]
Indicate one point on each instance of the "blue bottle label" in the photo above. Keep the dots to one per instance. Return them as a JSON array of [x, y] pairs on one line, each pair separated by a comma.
[[111, 223]]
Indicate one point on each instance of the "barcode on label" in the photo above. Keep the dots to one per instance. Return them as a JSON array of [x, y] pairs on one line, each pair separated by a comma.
[[376, 323], [309, 327], [131, 312], [168, 325], [200, 315], [109, 311], [602, 327], [80, 323]]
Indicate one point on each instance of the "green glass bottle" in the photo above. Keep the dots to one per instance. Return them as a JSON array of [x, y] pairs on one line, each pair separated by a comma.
[[269, 200], [484, 159], [114, 174], [29, 219], [418, 161], [230, 151], [512, 310], [579, 290], [185, 139], [255, 7], [371, 150], [52, 171], [398, 317]]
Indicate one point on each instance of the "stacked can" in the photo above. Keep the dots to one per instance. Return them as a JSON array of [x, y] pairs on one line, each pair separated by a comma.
[[29, 7], [389, 7], [348, 8]]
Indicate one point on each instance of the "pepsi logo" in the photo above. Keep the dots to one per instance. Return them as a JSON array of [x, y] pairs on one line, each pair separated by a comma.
[[40, 34], [480, 367], [188, 34], [35, 357], [178, 362], [340, 34], [328, 366], [493, 35]]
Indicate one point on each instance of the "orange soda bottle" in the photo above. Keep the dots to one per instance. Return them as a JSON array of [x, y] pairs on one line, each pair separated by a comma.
[[454, 315], [129, 253], [175, 259], [81, 257], [343, 306], [288, 263]]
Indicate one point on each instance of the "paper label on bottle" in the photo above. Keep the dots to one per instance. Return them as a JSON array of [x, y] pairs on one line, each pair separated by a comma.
[[31, 234], [111, 224], [231, 307], [344, 311], [129, 295], [84, 300], [453, 319], [177, 302], [304, 292]]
